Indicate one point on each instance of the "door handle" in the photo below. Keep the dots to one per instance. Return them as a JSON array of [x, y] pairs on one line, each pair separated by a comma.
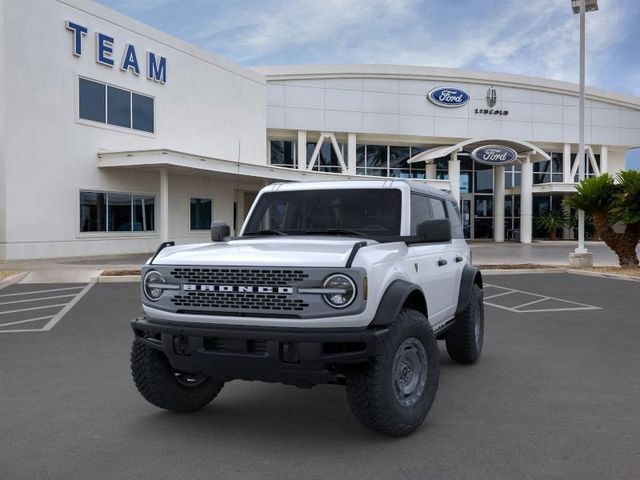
[[442, 262], [459, 259]]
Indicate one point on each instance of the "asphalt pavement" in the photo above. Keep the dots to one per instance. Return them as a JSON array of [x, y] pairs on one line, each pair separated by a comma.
[[555, 395]]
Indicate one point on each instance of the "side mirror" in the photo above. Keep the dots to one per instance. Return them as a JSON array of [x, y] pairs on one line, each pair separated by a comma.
[[435, 231], [219, 231]]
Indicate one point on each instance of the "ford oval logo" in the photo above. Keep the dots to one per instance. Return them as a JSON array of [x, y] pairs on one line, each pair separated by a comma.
[[448, 97], [494, 155]]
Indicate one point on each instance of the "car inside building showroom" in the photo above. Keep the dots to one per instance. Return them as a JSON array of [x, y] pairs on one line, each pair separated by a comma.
[[116, 136]]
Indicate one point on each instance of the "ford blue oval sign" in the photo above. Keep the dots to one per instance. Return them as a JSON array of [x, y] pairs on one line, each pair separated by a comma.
[[494, 155], [448, 97]]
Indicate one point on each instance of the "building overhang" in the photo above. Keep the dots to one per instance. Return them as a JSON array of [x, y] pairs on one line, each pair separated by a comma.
[[182, 163], [536, 154]]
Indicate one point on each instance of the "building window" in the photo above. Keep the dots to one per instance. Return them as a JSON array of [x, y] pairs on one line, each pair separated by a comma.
[[389, 161], [283, 153], [549, 170], [327, 160], [201, 213], [116, 212], [111, 105]]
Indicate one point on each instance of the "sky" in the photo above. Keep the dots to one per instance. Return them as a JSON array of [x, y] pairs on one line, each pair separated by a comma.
[[531, 37]]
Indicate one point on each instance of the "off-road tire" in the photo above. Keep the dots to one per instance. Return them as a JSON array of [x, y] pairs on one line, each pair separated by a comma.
[[370, 387], [156, 382], [465, 337]]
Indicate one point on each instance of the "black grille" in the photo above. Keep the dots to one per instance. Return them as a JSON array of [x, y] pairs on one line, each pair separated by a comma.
[[238, 276], [252, 347], [239, 301]]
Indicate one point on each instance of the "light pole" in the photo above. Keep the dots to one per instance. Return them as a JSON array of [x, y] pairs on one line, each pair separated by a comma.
[[580, 7]]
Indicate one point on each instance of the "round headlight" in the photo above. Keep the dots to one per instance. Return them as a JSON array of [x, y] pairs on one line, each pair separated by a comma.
[[343, 290], [152, 285]]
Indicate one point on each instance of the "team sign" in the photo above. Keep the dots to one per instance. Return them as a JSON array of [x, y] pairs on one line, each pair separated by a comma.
[[156, 65]]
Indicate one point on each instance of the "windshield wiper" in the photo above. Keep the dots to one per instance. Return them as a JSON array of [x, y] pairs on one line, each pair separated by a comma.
[[267, 231], [337, 231]]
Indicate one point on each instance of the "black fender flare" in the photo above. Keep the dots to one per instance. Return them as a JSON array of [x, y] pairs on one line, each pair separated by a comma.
[[470, 275], [394, 298]]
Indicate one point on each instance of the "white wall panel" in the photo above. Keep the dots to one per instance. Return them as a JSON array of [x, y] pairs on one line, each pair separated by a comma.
[[379, 102], [342, 121], [304, 119], [415, 105], [303, 97], [379, 123], [343, 100], [416, 125]]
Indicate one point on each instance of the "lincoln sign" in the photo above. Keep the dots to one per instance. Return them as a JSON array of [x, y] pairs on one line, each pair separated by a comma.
[[494, 155]]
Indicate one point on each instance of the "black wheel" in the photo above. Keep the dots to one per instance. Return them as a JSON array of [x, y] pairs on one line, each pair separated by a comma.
[[465, 338], [167, 388], [394, 392]]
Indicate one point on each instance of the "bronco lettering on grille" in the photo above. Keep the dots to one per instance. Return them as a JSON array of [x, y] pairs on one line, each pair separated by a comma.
[[237, 289]]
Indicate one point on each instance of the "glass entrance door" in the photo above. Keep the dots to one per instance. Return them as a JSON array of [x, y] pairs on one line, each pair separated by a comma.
[[466, 210]]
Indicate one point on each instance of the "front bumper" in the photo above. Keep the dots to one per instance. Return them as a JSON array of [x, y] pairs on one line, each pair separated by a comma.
[[294, 356]]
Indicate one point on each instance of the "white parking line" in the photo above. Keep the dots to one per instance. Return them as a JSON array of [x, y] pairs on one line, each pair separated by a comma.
[[25, 321], [33, 308], [38, 299], [41, 291], [53, 319], [540, 299]]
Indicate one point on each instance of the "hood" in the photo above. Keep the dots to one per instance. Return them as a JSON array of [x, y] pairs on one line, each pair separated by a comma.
[[292, 251]]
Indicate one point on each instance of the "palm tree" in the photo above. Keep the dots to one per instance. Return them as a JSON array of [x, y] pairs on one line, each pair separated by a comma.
[[551, 221], [609, 202]]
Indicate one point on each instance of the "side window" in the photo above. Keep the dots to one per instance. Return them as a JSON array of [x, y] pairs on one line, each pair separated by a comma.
[[419, 211], [454, 217], [437, 207]]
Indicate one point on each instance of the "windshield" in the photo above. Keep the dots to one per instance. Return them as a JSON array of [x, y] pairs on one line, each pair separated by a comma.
[[356, 212]]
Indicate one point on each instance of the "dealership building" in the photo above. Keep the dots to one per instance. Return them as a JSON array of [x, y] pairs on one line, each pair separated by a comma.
[[115, 136]]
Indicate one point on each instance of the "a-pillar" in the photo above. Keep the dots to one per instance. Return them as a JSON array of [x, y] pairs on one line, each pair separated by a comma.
[[454, 176], [526, 201], [164, 205], [498, 204]]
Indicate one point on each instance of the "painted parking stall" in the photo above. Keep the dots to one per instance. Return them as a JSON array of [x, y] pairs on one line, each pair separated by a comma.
[[525, 301], [37, 307]]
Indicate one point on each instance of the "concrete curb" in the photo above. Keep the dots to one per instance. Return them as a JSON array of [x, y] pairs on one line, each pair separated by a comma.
[[116, 279], [522, 271], [5, 282], [613, 276], [573, 271]]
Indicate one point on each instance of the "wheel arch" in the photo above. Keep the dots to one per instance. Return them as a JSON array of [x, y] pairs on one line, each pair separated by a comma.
[[398, 295], [470, 276]]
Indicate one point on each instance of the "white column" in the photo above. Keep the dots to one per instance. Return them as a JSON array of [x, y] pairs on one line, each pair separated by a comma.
[[604, 159], [430, 171], [566, 164], [164, 205], [567, 231], [454, 176], [526, 201], [498, 204], [351, 153], [302, 150]]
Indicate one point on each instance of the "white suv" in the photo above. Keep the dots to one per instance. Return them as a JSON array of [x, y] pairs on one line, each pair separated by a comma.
[[347, 282]]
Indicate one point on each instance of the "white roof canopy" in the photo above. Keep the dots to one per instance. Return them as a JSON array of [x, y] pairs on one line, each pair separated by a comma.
[[522, 148]]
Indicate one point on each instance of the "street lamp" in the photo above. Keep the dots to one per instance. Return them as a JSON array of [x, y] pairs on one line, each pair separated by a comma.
[[581, 7]]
